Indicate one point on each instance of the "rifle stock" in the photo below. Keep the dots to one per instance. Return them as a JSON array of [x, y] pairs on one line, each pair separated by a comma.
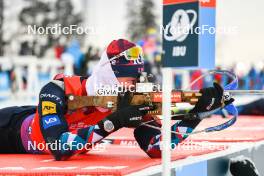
[[152, 98]]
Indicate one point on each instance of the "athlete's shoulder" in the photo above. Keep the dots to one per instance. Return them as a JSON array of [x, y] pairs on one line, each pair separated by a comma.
[[72, 84], [61, 77]]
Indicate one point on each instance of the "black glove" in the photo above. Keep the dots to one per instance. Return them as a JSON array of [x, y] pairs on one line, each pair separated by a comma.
[[130, 116], [212, 98], [243, 166]]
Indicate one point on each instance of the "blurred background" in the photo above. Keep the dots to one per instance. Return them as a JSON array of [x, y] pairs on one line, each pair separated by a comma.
[[28, 60]]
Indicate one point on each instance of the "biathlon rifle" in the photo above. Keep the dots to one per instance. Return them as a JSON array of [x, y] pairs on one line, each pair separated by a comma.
[[145, 94]]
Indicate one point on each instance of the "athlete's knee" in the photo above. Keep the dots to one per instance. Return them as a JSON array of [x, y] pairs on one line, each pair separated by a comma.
[[143, 136]]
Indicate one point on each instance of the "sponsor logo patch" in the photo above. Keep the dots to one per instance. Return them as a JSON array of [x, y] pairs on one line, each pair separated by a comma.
[[48, 108], [50, 120], [54, 97]]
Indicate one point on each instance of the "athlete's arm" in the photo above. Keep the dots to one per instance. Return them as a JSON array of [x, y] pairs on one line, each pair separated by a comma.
[[130, 116], [54, 127]]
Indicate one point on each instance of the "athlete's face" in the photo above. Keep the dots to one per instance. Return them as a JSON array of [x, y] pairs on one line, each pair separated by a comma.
[[127, 81]]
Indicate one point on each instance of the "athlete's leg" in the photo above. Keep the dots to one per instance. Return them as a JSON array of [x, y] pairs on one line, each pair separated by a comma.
[[11, 119], [149, 139]]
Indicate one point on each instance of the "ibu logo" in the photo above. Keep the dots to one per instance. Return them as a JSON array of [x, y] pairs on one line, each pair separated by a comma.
[[179, 51], [180, 25]]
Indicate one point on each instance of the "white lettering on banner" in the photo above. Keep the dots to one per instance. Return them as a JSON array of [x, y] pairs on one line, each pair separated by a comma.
[[104, 167], [63, 168], [48, 160], [179, 51], [12, 168], [129, 143], [55, 168]]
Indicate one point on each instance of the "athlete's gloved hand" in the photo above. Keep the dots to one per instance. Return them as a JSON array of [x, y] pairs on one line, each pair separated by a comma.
[[124, 100], [212, 98], [130, 116]]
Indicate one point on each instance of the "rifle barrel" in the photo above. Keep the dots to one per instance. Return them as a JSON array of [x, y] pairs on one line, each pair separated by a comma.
[[235, 92]]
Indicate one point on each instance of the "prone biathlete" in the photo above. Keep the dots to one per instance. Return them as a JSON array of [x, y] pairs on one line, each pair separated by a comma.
[[51, 122]]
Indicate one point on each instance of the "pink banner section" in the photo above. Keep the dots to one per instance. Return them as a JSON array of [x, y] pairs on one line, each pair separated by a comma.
[[203, 3]]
